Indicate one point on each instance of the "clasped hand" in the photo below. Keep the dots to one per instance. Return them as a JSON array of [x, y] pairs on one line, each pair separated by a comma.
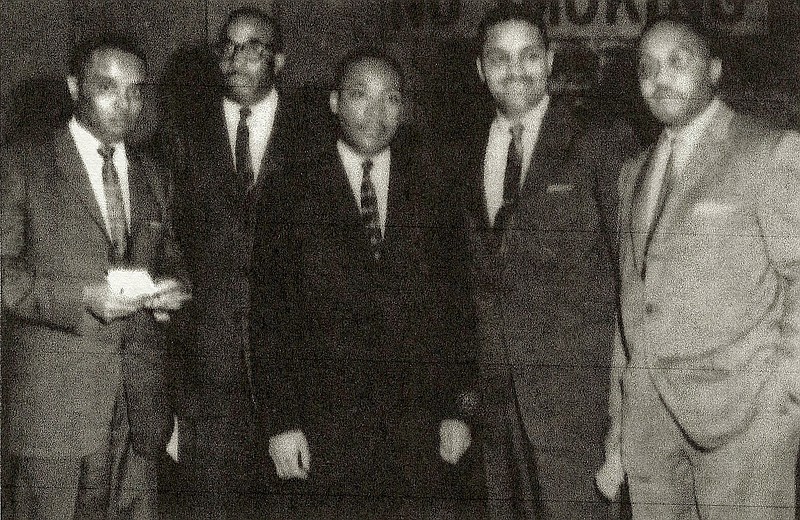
[[109, 305]]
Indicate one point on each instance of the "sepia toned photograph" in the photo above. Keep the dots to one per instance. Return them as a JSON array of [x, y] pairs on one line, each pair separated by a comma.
[[399, 259]]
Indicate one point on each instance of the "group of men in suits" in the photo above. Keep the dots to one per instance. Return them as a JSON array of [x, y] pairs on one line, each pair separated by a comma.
[[378, 318]]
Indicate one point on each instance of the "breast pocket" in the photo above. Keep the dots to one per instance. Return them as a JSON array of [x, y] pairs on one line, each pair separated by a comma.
[[558, 225]]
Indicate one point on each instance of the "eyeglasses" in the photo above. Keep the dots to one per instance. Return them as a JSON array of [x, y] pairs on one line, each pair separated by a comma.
[[251, 50]]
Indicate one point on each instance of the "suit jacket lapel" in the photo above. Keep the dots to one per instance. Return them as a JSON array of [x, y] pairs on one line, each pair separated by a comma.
[[219, 150], [397, 209], [147, 211], [274, 160], [637, 216], [345, 209], [75, 176], [708, 149], [555, 137], [477, 206]]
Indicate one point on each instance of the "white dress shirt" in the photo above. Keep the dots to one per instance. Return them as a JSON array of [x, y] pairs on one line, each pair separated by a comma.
[[88, 146], [681, 142], [494, 164], [353, 166], [259, 123]]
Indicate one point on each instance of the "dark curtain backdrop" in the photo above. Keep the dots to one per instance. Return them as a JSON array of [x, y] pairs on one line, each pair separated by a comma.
[[431, 38]]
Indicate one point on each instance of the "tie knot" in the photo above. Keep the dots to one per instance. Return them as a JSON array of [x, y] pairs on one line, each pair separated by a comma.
[[517, 130], [367, 167], [106, 151], [244, 113]]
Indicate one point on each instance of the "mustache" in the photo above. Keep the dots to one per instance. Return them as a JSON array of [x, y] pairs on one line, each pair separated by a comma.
[[528, 80]]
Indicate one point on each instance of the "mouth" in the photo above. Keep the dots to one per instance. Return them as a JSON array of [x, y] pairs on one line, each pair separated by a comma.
[[372, 133], [238, 80], [661, 96]]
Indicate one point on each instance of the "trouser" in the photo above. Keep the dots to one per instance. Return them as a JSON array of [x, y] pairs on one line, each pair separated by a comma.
[[217, 456], [112, 483], [537, 482], [750, 477]]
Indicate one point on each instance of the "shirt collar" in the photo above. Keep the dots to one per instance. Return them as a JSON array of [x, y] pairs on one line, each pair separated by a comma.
[[690, 132], [87, 141], [262, 107], [532, 118], [351, 157]]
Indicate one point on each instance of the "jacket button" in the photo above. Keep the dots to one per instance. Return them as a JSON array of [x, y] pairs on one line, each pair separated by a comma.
[[649, 308]]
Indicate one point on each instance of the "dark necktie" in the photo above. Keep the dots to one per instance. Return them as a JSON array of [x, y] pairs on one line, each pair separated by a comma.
[[244, 162], [115, 207], [369, 210], [511, 179], [661, 202]]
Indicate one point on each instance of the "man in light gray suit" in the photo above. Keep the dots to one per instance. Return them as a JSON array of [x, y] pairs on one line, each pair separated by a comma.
[[705, 396]]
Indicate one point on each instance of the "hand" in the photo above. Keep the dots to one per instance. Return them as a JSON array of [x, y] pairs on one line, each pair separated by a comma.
[[108, 305], [610, 476], [290, 454], [454, 440], [172, 445], [170, 296]]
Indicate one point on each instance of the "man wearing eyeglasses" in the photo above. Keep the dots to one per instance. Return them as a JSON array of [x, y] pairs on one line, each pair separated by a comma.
[[229, 159]]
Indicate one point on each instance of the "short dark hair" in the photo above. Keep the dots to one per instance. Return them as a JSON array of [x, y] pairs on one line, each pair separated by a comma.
[[366, 53], [250, 11], [84, 50], [693, 24], [509, 11]]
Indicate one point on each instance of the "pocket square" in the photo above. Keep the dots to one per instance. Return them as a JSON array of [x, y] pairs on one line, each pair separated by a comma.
[[711, 207], [559, 188]]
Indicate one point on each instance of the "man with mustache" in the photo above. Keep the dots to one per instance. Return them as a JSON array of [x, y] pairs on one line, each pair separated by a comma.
[[540, 213], [365, 403], [705, 389], [85, 408], [230, 159]]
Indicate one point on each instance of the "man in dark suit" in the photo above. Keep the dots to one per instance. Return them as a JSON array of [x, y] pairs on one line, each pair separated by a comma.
[[706, 388], [364, 395], [89, 266], [540, 215], [230, 162]]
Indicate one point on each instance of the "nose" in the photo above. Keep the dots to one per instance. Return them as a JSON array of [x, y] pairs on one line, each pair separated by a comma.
[[121, 101], [376, 109], [515, 67]]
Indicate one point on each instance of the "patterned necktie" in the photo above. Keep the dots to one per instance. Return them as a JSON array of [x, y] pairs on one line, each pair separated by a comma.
[[115, 207], [369, 210], [244, 161], [511, 179]]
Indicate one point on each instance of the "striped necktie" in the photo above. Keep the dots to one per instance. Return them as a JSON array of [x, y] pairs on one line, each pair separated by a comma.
[[115, 206], [244, 161], [511, 179], [369, 210]]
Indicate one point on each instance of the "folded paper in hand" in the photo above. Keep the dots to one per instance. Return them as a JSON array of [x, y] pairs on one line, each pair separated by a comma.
[[131, 283]]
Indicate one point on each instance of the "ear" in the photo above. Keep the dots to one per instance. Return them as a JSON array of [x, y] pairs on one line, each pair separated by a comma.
[[74, 87], [479, 67], [279, 60], [333, 101], [715, 70]]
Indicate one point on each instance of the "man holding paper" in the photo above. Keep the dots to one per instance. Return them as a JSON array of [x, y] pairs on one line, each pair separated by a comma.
[[89, 267]]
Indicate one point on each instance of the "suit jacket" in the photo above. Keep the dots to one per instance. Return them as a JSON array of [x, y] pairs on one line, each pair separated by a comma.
[[380, 346], [63, 366], [216, 218], [545, 289], [716, 312]]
